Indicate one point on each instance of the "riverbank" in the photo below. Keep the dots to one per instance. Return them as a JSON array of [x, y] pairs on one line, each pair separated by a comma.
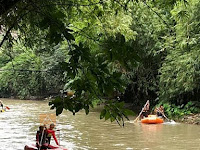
[[191, 119]]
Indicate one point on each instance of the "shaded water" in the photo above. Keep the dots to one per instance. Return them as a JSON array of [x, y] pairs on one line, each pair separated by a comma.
[[19, 125]]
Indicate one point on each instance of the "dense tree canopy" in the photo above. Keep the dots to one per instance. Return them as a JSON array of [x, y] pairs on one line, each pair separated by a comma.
[[130, 49]]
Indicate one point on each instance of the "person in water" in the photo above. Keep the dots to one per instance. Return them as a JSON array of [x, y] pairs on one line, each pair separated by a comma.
[[1, 104], [51, 132], [41, 138], [159, 111]]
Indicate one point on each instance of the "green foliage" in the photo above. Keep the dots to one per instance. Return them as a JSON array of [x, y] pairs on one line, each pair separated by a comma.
[[180, 71], [98, 48], [115, 111], [3, 59], [177, 112], [117, 49], [19, 82], [28, 74], [149, 46], [91, 77], [96, 102]]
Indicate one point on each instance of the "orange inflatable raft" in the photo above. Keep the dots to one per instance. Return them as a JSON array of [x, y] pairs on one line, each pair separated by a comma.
[[152, 119]]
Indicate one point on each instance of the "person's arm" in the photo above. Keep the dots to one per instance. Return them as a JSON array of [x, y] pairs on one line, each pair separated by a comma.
[[54, 136], [155, 111], [37, 138], [162, 109]]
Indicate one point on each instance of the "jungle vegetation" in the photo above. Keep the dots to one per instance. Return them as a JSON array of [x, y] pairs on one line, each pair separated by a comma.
[[113, 51]]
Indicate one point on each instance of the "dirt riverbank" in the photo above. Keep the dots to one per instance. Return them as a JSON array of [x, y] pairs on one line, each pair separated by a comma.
[[191, 119]]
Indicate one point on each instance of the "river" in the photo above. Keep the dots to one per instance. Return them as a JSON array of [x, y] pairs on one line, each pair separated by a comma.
[[87, 132]]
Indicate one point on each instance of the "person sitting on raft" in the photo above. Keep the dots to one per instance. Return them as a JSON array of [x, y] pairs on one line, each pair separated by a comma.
[[51, 132], [145, 111], [159, 111], [41, 138]]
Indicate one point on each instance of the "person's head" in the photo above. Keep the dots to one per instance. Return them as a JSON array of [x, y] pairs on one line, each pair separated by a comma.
[[52, 126], [161, 106], [41, 128]]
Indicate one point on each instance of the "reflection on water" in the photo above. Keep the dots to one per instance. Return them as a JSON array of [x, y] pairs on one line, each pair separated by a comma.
[[18, 127]]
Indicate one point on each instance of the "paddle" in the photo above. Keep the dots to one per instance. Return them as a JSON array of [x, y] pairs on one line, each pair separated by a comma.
[[59, 136], [40, 144], [141, 112], [164, 115], [7, 108]]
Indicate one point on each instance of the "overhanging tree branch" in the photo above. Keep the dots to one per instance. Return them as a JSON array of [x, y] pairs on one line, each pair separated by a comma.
[[6, 5], [13, 24]]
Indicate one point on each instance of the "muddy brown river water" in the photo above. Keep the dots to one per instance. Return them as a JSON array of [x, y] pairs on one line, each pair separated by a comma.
[[87, 132]]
